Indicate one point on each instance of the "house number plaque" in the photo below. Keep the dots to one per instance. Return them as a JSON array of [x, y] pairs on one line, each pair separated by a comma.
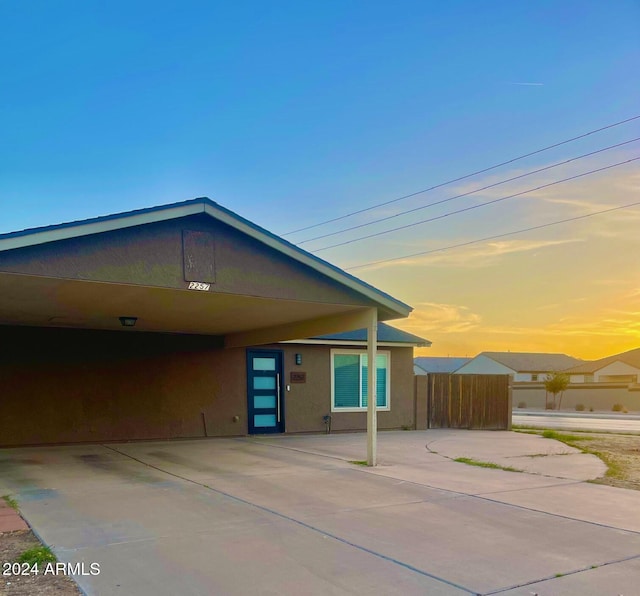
[[199, 285], [298, 377]]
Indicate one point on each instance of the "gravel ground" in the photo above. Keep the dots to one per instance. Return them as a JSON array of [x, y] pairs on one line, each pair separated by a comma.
[[621, 452], [12, 545]]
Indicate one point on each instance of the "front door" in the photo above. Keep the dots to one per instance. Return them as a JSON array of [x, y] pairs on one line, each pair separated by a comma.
[[264, 391]]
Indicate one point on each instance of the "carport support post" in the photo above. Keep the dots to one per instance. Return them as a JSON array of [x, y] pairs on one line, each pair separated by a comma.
[[372, 422]]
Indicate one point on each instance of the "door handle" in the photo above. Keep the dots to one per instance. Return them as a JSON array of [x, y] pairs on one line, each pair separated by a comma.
[[278, 394]]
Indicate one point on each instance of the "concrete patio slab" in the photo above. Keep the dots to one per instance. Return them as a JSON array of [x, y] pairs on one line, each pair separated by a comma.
[[606, 505], [460, 478], [530, 453], [291, 515], [616, 579], [255, 557]]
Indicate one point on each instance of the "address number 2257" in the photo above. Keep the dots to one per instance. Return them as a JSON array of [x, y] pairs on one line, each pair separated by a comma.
[[198, 285]]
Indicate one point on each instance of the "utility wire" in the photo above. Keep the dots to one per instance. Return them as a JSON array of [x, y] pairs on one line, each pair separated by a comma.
[[471, 192], [442, 249], [524, 192], [504, 163]]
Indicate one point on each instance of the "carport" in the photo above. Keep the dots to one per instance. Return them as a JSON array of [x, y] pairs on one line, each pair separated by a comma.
[[136, 325]]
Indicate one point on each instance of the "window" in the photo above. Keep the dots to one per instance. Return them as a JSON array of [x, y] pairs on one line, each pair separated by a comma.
[[349, 380], [534, 377]]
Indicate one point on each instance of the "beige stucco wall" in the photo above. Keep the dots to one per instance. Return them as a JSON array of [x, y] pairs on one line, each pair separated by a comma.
[[64, 386], [591, 395], [616, 369], [307, 403]]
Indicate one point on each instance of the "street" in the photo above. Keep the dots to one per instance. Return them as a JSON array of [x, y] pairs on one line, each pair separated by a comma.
[[605, 422]]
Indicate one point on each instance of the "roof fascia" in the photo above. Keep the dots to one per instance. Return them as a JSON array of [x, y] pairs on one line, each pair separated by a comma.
[[195, 206], [618, 360], [97, 226], [302, 256], [343, 342]]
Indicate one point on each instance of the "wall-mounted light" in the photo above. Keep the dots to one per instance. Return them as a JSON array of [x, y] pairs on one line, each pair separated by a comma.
[[128, 321], [298, 359]]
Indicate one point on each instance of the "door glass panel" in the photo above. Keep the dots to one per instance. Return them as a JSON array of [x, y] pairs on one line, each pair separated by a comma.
[[264, 420], [264, 401], [264, 364], [264, 382]]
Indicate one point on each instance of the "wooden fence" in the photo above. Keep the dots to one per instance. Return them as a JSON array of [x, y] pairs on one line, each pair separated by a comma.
[[469, 401]]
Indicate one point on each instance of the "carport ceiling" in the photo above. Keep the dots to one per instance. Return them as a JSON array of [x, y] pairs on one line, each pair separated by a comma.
[[53, 302]]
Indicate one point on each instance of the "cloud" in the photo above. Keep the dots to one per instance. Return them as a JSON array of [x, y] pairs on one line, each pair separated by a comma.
[[620, 319], [475, 255], [549, 306], [592, 192], [430, 317]]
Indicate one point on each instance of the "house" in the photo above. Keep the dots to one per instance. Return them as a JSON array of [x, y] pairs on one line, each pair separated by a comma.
[[524, 366], [433, 364], [335, 365], [619, 368], [167, 322]]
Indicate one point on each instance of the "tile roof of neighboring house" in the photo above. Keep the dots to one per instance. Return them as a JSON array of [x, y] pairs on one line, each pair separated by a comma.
[[532, 361], [632, 358], [435, 364], [386, 333], [74, 229]]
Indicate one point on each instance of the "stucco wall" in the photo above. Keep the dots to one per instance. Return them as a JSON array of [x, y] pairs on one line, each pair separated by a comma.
[[64, 386], [589, 395], [616, 369], [152, 255], [307, 403]]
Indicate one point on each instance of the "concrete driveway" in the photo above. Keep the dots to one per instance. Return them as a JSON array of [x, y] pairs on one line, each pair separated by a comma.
[[291, 515]]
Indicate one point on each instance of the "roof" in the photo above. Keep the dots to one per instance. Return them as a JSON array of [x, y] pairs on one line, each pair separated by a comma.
[[435, 364], [532, 361], [74, 229], [632, 358], [386, 334]]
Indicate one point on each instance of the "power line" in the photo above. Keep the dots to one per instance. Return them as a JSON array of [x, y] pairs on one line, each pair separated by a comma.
[[524, 192], [471, 192], [504, 163], [547, 225]]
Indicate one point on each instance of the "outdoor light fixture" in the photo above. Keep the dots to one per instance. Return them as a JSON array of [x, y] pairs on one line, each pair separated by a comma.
[[298, 359], [128, 321]]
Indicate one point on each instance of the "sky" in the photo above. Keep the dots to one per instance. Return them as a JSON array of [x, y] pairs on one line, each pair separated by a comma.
[[294, 113]]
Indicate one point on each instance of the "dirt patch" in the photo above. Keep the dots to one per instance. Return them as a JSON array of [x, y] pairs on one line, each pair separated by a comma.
[[620, 452], [12, 545]]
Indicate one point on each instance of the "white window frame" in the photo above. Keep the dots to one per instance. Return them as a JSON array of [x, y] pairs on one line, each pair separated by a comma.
[[360, 353]]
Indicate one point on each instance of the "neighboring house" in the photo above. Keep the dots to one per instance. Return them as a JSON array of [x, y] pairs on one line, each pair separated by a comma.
[[433, 364], [524, 366], [167, 323], [619, 368]]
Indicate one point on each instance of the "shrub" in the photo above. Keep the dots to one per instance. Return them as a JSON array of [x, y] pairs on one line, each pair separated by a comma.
[[579, 407], [617, 408], [590, 408], [522, 404]]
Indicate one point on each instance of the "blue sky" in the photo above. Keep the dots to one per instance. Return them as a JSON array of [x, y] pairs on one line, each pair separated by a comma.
[[293, 112]]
